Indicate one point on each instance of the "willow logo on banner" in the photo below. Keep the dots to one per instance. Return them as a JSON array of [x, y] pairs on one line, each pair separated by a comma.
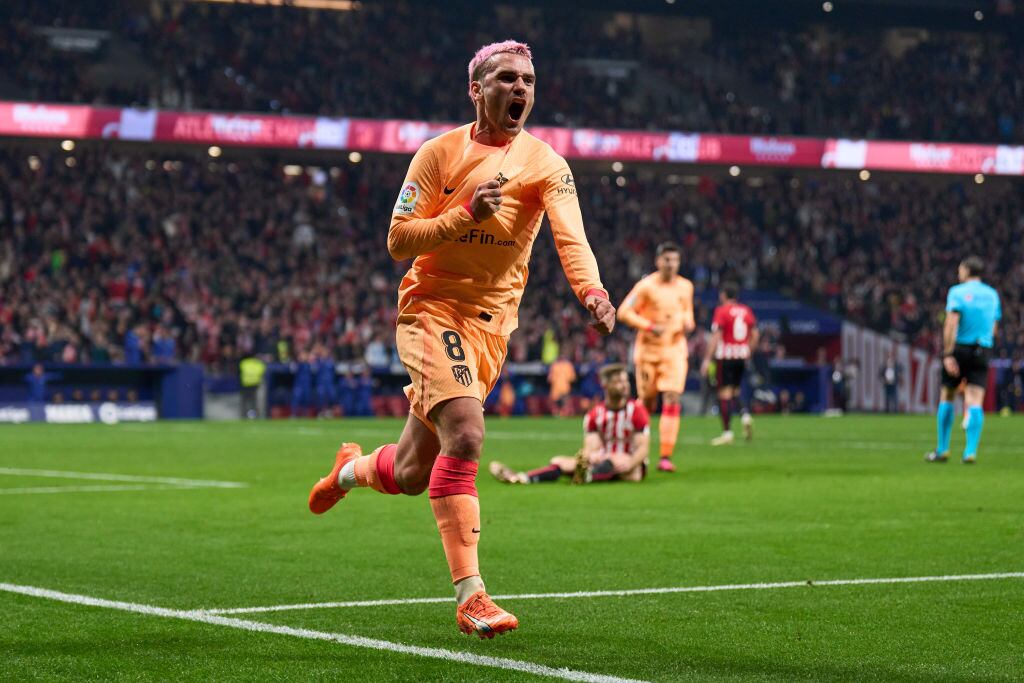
[[772, 149]]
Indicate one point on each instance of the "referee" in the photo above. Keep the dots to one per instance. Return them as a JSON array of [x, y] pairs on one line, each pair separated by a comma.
[[972, 313]]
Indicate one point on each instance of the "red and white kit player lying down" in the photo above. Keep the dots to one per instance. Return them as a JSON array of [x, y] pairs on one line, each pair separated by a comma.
[[615, 440]]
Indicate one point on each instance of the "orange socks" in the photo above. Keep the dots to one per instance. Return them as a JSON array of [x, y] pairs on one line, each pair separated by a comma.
[[453, 499], [377, 470], [668, 430]]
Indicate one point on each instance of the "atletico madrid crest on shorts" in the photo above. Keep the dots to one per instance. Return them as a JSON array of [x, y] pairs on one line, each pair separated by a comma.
[[462, 375]]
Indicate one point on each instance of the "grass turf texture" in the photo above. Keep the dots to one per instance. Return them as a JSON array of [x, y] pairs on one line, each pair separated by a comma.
[[810, 498]]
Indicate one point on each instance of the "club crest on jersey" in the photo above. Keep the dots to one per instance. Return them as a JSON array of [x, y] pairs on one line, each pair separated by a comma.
[[501, 179], [407, 198], [462, 375]]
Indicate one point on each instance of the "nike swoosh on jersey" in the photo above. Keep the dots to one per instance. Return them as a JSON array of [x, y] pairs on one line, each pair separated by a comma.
[[447, 191]]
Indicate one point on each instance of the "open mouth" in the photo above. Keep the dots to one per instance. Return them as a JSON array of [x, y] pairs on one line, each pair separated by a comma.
[[515, 110]]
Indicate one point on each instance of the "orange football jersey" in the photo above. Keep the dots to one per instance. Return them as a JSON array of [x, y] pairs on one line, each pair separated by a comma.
[[480, 269], [654, 302]]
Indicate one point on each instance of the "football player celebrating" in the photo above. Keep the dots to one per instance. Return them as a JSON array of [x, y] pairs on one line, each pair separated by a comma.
[[468, 213]]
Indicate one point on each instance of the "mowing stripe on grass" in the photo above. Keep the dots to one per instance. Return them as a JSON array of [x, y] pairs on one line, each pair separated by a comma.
[[343, 639], [100, 476], [631, 591]]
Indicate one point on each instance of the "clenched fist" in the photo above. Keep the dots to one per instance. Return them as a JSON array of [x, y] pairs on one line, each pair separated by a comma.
[[486, 200], [603, 314]]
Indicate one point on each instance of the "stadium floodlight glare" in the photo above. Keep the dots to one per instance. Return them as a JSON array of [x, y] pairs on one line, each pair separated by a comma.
[[734, 171], [67, 145], [865, 174], [214, 151]]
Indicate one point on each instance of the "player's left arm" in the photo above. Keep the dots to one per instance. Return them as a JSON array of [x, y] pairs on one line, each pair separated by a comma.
[[689, 324], [999, 316], [755, 333], [578, 262], [640, 446]]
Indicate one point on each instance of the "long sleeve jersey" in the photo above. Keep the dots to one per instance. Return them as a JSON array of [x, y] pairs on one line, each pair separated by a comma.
[[653, 302], [480, 269]]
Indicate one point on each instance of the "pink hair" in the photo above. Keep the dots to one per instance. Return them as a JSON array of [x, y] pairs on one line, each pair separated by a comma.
[[488, 51]]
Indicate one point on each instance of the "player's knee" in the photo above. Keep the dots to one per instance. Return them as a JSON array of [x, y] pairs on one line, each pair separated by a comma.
[[413, 478], [670, 398], [464, 440]]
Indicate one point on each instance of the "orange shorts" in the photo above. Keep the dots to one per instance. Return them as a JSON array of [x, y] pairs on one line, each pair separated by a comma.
[[446, 357], [660, 371]]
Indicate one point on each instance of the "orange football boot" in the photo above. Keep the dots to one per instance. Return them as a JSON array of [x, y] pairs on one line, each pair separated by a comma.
[[480, 615], [327, 492]]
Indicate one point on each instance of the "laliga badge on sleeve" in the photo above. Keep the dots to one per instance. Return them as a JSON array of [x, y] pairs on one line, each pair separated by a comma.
[[407, 198]]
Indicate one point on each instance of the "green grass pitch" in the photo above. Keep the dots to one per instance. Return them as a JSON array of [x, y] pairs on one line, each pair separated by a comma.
[[809, 499]]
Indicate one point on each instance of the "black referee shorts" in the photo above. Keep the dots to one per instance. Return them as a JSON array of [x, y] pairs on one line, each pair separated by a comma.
[[973, 362]]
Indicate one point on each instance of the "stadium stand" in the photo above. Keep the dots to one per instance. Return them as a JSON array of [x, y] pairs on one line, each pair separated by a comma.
[[803, 79], [129, 255]]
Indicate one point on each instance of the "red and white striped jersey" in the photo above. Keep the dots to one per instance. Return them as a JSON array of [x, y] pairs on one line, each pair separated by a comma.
[[735, 321], [617, 427]]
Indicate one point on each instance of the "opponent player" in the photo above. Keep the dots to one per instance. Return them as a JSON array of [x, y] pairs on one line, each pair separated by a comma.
[[615, 435], [660, 308], [973, 312], [733, 336], [468, 212]]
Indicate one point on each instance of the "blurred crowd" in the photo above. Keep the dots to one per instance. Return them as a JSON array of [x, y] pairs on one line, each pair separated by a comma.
[[594, 68], [111, 255]]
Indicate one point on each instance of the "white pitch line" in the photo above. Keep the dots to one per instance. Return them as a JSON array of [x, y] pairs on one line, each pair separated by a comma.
[[341, 638], [90, 489], [100, 476], [631, 591]]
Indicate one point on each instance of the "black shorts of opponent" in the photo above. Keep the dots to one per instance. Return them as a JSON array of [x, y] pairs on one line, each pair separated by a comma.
[[730, 372]]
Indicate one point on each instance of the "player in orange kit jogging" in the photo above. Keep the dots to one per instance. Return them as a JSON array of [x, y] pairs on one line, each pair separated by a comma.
[[468, 213], [660, 308]]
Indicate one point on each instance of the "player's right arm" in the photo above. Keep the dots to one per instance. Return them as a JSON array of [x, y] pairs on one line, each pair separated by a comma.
[[413, 230], [949, 330], [716, 339], [592, 445], [629, 314]]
